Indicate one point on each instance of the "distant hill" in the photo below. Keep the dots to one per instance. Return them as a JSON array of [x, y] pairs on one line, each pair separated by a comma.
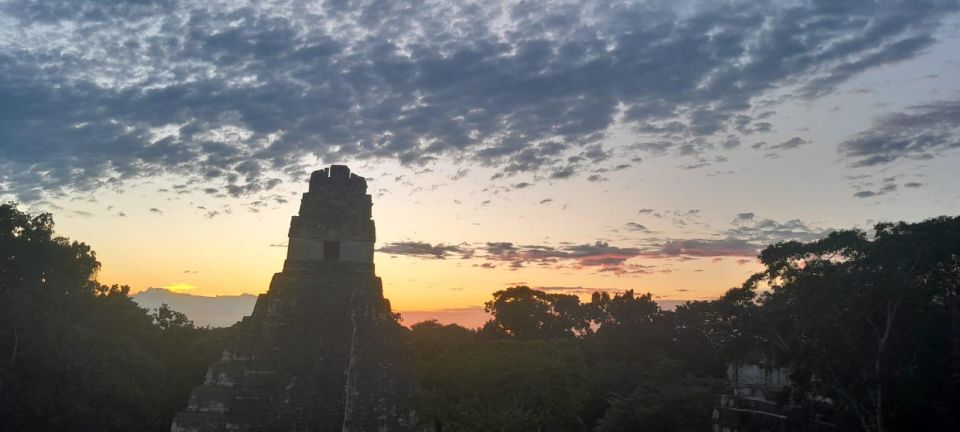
[[224, 311], [219, 311]]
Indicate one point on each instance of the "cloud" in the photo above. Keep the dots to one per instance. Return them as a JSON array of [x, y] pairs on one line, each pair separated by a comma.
[[883, 190], [920, 132], [633, 226], [745, 237], [700, 248], [577, 290], [179, 287], [156, 210], [742, 240], [747, 226], [563, 173], [237, 95], [425, 250], [599, 255], [789, 144], [461, 173]]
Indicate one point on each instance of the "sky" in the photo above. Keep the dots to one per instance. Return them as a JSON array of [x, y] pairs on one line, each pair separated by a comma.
[[569, 146]]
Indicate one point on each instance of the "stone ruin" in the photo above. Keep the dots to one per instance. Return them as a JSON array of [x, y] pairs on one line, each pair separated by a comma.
[[750, 403], [321, 350]]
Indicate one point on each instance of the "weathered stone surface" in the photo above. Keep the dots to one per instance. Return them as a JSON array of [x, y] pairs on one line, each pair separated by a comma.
[[750, 405], [321, 350]]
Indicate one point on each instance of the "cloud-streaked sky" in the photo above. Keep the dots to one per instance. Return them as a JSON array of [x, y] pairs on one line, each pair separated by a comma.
[[654, 145]]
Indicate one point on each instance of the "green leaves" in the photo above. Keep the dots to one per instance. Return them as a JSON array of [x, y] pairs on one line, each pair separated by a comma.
[[79, 355], [499, 385]]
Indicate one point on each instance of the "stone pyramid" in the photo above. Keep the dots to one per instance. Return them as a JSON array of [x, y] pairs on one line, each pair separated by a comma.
[[321, 350]]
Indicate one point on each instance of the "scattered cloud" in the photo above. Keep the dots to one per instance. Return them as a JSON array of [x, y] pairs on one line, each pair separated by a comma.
[[235, 96], [461, 173], [774, 150], [747, 226], [597, 255], [426, 250], [920, 132], [179, 287], [742, 241], [745, 237], [883, 190], [700, 248], [578, 290], [563, 173], [633, 226]]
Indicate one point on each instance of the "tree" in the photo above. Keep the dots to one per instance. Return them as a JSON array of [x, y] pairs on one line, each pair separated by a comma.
[[868, 322], [679, 405], [630, 361], [503, 385], [431, 339], [32, 258], [79, 355], [628, 326], [710, 334], [528, 314], [169, 319]]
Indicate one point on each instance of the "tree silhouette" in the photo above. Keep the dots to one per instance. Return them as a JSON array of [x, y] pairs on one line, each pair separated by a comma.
[[79, 355], [527, 314], [871, 323]]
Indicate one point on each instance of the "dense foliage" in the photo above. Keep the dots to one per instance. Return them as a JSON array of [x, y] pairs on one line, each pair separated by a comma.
[[79, 355], [867, 326], [871, 323], [548, 362]]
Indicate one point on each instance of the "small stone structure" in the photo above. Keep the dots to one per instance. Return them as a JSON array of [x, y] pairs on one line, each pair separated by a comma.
[[321, 350], [749, 405]]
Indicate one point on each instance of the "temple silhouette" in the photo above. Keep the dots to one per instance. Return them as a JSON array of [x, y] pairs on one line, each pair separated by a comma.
[[321, 350]]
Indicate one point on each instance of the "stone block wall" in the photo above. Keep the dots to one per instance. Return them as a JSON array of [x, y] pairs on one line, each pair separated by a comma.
[[321, 350]]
